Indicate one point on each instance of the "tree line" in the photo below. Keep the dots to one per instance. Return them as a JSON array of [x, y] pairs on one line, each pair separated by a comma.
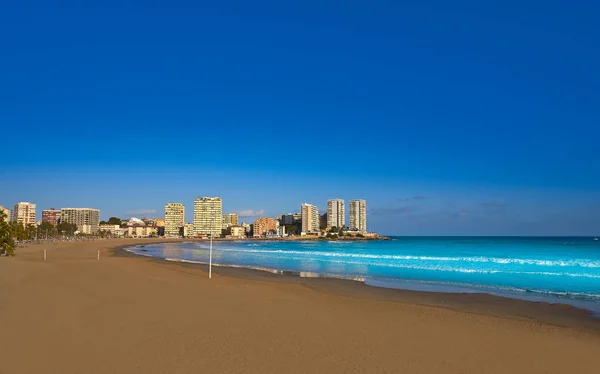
[[13, 232]]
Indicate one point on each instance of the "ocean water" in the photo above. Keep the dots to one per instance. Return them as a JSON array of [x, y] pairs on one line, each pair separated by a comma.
[[552, 269]]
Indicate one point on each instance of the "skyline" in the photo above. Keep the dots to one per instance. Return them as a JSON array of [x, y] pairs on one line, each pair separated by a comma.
[[449, 119]]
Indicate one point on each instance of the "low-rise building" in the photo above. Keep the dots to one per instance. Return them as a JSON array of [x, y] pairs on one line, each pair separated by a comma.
[[238, 231], [281, 231], [188, 230], [141, 231], [247, 227]]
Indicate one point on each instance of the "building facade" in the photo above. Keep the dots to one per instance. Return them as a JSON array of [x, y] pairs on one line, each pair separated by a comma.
[[310, 218], [87, 220], [238, 231], [208, 216], [114, 230], [51, 216], [188, 230], [287, 219], [24, 213], [7, 212], [230, 219], [358, 215], [174, 219], [336, 213], [264, 225]]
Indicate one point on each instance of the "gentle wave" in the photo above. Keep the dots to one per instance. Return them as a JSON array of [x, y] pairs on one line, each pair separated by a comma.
[[480, 259]]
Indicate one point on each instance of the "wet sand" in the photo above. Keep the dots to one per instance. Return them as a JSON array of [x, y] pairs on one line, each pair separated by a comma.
[[133, 314]]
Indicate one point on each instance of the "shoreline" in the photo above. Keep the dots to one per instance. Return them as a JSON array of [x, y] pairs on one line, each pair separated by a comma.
[[122, 312], [481, 303]]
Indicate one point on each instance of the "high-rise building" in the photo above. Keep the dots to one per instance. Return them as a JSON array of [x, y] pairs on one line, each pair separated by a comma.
[[87, 220], [310, 218], [24, 213], [230, 219], [51, 216], [174, 219], [265, 225], [208, 216], [7, 212], [358, 215], [336, 213]]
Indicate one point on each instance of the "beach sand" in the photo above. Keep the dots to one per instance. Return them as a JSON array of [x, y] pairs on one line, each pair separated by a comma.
[[133, 314]]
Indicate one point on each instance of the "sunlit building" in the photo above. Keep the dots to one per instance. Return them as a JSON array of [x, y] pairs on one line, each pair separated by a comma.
[[358, 215], [51, 216], [310, 218], [264, 225], [174, 219], [87, 220], [208, 216], [336, 213], [24, 213]]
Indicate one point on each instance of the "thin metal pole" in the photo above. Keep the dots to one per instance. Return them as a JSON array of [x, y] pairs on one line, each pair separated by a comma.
[[211, 237], [98, 255], [44, 255]]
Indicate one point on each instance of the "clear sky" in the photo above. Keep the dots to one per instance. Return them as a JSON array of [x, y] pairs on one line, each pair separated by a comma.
[[449, 118]]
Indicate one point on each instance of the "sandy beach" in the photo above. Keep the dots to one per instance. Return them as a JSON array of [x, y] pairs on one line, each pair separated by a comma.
[[133, 314]]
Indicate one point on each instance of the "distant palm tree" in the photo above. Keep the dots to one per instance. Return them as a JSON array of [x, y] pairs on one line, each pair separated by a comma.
[[7, 242]]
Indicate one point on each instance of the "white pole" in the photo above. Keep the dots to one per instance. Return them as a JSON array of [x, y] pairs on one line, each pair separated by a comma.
[[44, 255], [210, 250], [98, 255]]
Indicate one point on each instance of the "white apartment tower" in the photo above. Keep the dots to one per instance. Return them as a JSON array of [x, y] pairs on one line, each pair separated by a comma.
[[208, 216], [24, 213], [336, 213], [87, 220], [310, 218], [174, 219], [358, 215]]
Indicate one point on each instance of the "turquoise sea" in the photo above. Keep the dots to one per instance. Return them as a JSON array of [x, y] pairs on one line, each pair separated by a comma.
[[553, 269]]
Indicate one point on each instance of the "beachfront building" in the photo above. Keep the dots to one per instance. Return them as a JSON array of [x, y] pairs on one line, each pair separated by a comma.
[[113, 230], [174, 219], [188, 230], [310, 218], [87, 220], [247, 227], [281, 231], [51, 216], [238, 231], [141, 231], [358, 215], [264, 226], [336, 213], [208, 216], [230, 219], [24, 213], [7, 212]]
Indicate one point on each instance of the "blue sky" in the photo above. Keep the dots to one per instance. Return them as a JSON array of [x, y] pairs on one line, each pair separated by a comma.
[[449, 118]]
